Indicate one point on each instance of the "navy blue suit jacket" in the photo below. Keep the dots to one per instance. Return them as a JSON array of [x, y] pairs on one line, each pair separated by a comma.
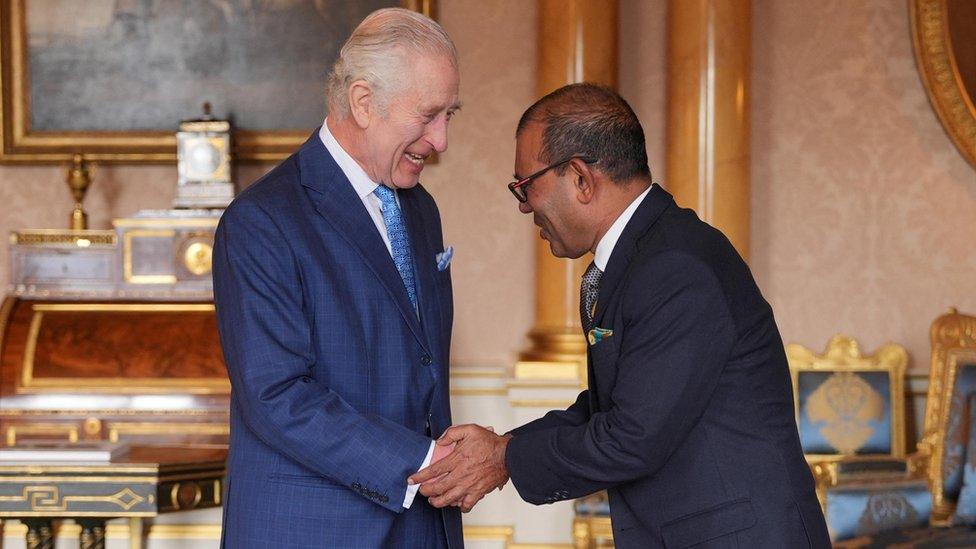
[[334, 377], [688, 419]]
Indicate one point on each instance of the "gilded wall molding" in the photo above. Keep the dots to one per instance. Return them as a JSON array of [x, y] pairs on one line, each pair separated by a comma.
[[940, 75]]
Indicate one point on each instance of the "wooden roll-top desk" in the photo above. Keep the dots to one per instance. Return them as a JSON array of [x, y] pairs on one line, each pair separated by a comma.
[[128, 371]]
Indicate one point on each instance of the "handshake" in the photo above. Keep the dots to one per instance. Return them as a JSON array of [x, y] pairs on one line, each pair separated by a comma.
[[468, 462]]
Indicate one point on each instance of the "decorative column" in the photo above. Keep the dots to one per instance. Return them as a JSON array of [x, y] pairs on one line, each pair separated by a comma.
[[577, 42], [709, 63]]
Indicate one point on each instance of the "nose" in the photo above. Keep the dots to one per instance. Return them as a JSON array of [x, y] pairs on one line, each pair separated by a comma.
[[437, 134], [525, 208]]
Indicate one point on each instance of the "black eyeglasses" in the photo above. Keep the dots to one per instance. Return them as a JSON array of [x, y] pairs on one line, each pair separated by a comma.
[[518, 187]]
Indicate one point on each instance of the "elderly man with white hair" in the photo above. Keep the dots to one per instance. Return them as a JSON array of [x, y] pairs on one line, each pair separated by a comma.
[[334, 303]]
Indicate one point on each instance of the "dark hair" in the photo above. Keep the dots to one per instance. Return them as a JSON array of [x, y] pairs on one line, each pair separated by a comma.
[[594, 121]]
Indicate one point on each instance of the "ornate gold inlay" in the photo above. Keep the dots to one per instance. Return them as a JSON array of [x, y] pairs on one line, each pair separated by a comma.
[[49, 237], [164, 428], [49, 498], [68, 431]]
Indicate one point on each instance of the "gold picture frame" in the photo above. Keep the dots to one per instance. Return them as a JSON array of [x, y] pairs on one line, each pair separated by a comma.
[[940, 74], [20, 143]]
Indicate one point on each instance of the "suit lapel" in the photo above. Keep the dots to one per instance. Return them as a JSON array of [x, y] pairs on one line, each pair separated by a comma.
[[336, 201], [650, 209], [428, 301]]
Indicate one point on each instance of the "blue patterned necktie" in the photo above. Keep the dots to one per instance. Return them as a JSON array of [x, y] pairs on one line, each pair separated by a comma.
[[399, 240], [589, 290]]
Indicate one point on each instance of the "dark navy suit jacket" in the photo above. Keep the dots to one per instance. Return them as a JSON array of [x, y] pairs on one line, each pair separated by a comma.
[[334, 377], [688, 420]]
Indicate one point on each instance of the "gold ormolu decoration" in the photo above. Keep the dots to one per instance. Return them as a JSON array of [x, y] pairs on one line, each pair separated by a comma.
[[198, 258], [79, 179], [93, 426], [846, 404], [953, 338], [39, 534], [92, 534]]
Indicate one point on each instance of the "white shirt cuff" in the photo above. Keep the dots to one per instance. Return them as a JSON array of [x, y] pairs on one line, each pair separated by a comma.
[[412, 490]]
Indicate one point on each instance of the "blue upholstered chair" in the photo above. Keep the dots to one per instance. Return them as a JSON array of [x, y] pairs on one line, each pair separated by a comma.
[[850, 411], [946, 457], [849, 405]]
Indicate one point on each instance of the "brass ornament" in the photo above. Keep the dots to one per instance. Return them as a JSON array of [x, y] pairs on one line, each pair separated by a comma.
[[198, 258], [79, 178]]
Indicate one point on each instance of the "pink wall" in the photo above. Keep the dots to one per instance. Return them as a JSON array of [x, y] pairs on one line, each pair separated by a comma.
[[863, 211]]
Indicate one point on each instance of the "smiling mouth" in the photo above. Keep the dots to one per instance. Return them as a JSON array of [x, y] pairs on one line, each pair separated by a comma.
[[416, 159]]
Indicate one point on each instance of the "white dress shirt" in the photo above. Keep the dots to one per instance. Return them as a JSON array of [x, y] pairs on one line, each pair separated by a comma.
[[605, 247], [364, 187]]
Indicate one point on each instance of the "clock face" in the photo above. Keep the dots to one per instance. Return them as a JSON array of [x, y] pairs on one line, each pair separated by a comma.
[[203, 158]]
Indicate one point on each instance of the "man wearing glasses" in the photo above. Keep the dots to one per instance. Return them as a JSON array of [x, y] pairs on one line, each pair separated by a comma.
[[688, 419]]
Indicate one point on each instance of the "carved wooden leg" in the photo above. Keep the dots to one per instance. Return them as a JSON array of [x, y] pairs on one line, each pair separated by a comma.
[[92, 533], [40, 535]]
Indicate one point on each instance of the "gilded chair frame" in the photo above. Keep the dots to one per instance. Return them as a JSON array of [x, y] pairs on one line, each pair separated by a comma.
[[592, 532], [953, 338], [843, 354]]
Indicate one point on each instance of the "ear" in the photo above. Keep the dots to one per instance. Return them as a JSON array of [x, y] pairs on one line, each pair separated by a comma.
[[361, 103], [584, 180]]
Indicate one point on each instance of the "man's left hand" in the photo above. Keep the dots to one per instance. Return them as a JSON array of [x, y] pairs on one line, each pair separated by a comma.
[[474, 468]]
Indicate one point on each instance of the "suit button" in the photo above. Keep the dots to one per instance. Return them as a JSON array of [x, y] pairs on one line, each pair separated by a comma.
[[425, 360], [306, 379]]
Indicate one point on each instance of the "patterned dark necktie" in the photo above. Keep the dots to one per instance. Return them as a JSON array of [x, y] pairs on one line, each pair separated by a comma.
[[399, 240], [589, 289]]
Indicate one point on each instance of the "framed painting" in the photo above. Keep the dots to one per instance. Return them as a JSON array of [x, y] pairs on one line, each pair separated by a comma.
[[112, 79]]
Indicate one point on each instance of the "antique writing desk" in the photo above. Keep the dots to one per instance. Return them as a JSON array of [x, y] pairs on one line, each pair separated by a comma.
[[112, 336], [144, 482]]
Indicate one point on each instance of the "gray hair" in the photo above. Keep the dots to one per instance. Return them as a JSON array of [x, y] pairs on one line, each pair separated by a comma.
[[377, 51], [591, 121]]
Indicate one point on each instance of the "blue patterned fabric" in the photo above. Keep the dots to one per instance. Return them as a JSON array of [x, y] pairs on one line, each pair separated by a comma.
[[859, 511], [917, 538], [844, 413], [957, 431], [399, 241], [596, 504], [966, 505]]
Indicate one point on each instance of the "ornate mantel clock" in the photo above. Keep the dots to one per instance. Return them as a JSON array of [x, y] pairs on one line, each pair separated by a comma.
[[203, 161]]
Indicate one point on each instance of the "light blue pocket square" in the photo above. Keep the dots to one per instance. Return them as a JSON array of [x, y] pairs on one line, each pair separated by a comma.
[[444, 258]]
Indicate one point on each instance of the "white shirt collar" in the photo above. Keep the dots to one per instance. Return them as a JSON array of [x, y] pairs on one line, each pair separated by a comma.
[[609, 240], [361, 182]]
